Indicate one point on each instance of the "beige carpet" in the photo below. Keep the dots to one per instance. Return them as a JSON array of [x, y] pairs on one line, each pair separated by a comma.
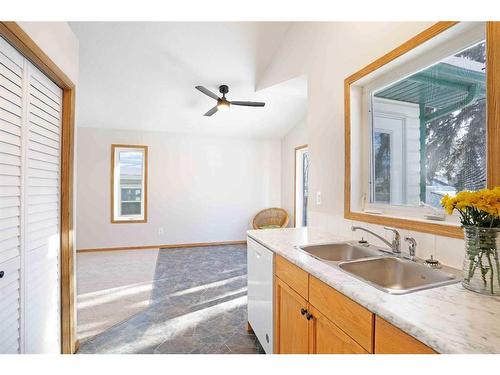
[[112, 286]]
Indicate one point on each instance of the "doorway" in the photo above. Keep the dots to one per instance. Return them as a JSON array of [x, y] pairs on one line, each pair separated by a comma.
[[301, 185]]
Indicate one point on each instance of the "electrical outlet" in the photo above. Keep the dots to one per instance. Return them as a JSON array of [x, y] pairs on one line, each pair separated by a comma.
[[318, 198], [161, 231]]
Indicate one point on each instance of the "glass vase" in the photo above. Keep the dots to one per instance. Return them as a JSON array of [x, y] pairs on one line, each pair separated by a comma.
[[481, 263]]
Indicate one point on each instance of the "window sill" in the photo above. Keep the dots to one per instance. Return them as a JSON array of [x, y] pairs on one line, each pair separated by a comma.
[[128, 221], [440, 228]]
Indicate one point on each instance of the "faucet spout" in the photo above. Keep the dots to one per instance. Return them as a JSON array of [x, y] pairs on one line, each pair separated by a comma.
[[395, 245]]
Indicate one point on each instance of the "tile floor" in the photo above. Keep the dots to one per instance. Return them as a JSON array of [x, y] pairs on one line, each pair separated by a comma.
[[198, 305]]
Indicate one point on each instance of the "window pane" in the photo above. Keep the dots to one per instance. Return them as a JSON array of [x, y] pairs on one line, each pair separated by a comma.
[[437, 118], [131, 195], [131, 208], [382, 166], [129, 183]]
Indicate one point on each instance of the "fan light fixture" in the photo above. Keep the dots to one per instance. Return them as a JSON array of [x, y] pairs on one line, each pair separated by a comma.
[[222, 103]]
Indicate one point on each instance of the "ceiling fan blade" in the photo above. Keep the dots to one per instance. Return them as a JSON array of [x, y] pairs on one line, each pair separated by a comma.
[[249, 104], [207, 92], [211, 112]]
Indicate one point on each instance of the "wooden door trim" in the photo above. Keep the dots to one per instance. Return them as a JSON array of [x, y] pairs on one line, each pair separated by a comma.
[[16, 36], [493, 126], [295, 182]]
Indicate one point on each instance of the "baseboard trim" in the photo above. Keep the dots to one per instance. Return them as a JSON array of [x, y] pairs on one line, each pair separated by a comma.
[[169, 246], [77, 346]]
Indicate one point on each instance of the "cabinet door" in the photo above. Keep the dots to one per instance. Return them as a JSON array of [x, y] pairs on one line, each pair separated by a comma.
[[391, 340], [291, 326], [326, 338]]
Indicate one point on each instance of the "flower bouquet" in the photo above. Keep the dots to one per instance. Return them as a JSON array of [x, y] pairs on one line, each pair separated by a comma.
[[480, 217]]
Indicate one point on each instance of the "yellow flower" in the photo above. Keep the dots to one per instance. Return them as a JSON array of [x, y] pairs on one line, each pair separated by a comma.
[[448, 203], [486, 200]]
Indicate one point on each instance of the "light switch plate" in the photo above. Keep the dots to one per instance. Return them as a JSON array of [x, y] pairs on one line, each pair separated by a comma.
[[318, 198]]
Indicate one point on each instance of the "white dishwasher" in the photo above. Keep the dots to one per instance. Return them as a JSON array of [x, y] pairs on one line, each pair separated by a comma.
[[260, 293]]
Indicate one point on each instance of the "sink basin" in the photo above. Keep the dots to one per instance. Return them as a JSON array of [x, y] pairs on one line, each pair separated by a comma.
[[396, 275], [337, 252]]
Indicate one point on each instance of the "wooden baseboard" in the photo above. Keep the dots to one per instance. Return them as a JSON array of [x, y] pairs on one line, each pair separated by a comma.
[[77, 346], [169, 246]]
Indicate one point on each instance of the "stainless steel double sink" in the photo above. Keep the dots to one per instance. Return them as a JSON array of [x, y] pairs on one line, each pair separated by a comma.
[[388, 273]]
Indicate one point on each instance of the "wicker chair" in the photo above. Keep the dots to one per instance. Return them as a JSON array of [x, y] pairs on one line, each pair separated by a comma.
[[270, 218]]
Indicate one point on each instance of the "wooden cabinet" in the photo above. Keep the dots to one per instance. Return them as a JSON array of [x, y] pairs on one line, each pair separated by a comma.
[[351, 317], [312, 317], [290, 324], [391, 340], [300, 328], [326, 338], [294, 276]]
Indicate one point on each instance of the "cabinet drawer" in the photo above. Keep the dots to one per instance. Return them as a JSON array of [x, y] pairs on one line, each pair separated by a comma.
[[348, 315], [391, 340], [295, 277]]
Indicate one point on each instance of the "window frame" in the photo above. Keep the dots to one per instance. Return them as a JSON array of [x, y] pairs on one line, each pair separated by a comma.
[[449, 228], [114, 187]]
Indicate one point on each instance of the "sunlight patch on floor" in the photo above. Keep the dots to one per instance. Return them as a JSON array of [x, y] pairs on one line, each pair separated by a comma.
[[204, 287], [169, 329]]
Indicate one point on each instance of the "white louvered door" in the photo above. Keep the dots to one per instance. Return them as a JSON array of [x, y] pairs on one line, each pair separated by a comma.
[[30, 139], [41, 198], [11, 152]]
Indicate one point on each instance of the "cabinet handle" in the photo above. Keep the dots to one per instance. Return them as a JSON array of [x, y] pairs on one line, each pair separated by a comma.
[[1, 274], [309, 316], [303, 311]]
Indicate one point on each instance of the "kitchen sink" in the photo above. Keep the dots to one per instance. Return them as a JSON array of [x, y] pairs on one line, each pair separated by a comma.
[[337, 252], [396, 275]]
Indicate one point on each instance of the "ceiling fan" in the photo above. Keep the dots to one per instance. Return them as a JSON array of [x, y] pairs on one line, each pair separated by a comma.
[[222, 103]]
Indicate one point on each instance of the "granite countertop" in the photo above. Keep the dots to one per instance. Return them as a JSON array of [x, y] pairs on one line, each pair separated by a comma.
[[449, 319]]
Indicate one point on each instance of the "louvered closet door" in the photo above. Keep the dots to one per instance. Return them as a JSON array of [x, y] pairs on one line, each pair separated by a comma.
[[42, 197], [11, 118]]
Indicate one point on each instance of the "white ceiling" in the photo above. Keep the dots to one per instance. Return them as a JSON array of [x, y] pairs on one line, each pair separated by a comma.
[[141, 76]]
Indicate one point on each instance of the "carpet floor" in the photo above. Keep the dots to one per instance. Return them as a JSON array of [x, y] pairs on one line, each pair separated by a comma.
[[198, 304], [112, 286]]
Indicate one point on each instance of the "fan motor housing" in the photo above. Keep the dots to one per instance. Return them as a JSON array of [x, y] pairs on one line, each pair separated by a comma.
[[223, 89]]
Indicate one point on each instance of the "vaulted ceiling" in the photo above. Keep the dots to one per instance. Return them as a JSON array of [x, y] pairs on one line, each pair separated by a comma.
[[141, 76]]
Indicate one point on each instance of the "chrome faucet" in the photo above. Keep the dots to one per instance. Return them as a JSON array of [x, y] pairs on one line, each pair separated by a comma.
[[395, 245], [412, 247]]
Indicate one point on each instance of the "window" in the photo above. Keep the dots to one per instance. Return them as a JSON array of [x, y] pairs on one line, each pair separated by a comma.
[[301, 185], [421, 122], [429, 131], [129, 183]]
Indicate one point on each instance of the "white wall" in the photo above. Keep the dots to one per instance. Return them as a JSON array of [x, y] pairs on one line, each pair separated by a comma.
[[58, 41], [340, 49], [297, 136], [200, 189]]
